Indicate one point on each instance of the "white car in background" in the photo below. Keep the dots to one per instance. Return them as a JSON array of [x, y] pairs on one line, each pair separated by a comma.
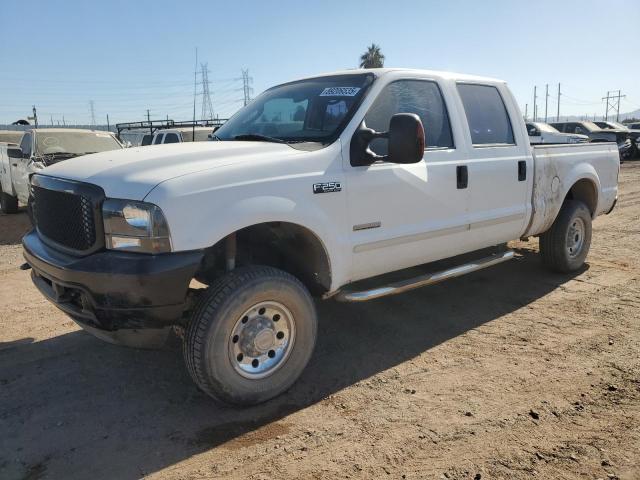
[[184, 134], [40, 148], [540, 132]]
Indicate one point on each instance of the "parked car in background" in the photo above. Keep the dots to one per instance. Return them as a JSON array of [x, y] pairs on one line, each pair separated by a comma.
[[634, 133], [40, 148], [183, 134], [11, 136], [633, 126], [313, 186], [597, 134], [540, 132]]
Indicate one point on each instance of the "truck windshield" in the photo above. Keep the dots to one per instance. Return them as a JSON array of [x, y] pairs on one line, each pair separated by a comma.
[[312, 110], [76, 143]]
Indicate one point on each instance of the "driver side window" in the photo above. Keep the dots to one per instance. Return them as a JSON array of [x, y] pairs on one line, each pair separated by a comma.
[[421, 97]]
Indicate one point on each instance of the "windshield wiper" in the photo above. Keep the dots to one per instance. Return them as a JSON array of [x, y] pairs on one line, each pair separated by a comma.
[[258, 137]]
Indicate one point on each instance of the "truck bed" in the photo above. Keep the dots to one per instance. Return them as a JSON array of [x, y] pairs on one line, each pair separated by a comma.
[[558, 167]]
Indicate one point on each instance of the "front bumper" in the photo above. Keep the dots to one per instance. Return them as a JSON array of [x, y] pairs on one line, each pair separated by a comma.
[[111, 293]]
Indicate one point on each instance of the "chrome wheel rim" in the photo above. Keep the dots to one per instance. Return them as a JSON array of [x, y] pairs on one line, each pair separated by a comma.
[[262, 340], [575, 237]]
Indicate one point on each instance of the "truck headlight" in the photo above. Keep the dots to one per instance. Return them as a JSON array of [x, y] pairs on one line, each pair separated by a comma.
[[135, 226]]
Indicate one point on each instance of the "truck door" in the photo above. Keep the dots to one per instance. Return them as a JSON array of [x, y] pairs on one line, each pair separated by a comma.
[[500, 169], [405, 215]]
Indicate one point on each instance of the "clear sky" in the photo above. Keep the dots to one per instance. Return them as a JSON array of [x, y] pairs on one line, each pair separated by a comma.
[[128, 56]]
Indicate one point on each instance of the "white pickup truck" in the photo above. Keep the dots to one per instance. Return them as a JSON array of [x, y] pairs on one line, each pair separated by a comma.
[[315, 185], [40, 148]]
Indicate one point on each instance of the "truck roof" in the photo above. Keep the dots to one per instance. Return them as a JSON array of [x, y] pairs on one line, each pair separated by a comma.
[[430, 73]]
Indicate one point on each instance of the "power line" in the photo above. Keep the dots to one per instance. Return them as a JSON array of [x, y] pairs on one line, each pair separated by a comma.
[[246, 88], [207, 107], [613, 103]]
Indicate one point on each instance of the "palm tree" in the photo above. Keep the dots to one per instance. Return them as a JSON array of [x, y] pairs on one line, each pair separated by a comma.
[[372, 58]]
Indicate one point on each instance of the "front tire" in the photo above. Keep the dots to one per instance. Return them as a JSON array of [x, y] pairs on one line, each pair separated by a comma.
[[564, 247], [251, 335]]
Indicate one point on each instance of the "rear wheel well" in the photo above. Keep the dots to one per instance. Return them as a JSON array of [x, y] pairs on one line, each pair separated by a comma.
[[283, 245], [585, 191]]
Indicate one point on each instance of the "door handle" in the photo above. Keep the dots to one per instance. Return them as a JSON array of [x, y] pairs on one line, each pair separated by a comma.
[[14, 164], [462, 176], [522, 170]]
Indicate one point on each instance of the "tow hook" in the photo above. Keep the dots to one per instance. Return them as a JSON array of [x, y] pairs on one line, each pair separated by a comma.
[[25, 266]]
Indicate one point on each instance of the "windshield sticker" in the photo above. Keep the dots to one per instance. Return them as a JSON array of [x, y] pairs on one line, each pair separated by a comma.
[[340, 92]]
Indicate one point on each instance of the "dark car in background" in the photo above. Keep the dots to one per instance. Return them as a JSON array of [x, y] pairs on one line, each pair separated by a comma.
[[596, 134], [634, 132]]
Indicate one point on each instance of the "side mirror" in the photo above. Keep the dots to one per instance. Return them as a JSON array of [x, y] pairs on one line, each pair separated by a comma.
[[533, 132], [405, 136], [14, 152]]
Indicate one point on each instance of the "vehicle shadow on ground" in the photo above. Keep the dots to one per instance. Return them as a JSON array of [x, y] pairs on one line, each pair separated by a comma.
[[75, 407], [14, 226]]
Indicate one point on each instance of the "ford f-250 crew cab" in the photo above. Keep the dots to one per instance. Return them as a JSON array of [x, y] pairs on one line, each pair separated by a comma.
[[313, 186]]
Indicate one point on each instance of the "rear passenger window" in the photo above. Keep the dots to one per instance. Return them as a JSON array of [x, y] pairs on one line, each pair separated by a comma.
[[487, 116], [158, 139], [411, 96], [171, 138]]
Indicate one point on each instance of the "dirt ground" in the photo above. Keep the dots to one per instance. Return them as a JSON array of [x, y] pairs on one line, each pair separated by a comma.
[[511, 372]]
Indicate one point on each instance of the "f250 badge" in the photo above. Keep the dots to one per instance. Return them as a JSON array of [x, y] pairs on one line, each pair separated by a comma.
[[327, 187]]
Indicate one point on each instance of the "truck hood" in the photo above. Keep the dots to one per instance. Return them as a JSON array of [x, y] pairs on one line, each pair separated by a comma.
[[133, 172]]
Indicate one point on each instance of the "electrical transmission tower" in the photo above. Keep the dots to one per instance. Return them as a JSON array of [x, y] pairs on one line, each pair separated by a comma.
[[207, 106], [613, 103], [93, 113], [246, 86]]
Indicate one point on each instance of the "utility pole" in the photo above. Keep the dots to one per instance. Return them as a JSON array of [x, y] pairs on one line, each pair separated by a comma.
[[246, 88], [107, 122], [35, 116], [93, 114], [558, 114], [613, 103], [52, 120], [526, 111], [195, 82], [63, 122], [546, 101], [149, 122], [207, 106], [535, 103]]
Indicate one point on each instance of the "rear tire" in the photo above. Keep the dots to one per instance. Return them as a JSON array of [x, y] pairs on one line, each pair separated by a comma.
[[8, 203], [251, 335], [564, 247]]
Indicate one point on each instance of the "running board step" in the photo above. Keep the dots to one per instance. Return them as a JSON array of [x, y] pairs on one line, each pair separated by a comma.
[[423, 280]]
